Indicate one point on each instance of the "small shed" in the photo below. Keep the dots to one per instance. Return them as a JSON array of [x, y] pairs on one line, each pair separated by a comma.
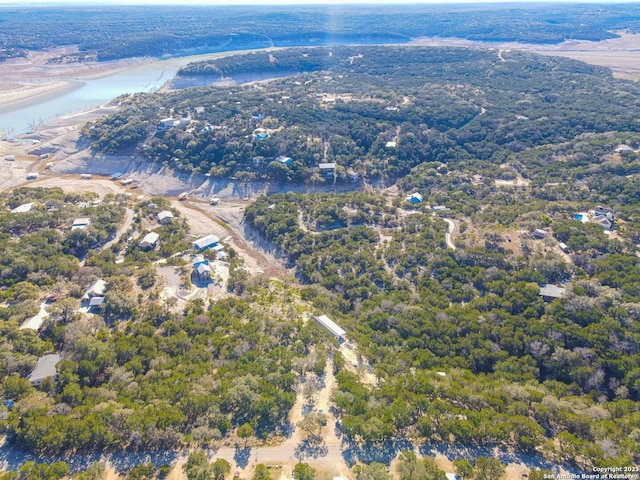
[[33, 176], [165, 217], [391, 144], [10, 158], [45, 368], [149, 241]]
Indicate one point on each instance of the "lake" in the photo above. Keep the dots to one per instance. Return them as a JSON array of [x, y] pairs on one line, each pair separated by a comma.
[[91, 93]]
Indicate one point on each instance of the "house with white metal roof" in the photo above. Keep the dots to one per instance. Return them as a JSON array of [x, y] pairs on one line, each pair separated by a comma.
[[80, 223], [165, 217], [332, 327], [149, 241], [95, 290], [205, 242]]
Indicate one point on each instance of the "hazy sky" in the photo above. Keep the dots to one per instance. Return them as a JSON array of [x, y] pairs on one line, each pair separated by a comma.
[[285, 2]]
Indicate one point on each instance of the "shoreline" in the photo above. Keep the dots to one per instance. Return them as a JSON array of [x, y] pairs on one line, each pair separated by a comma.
[[26, 97]]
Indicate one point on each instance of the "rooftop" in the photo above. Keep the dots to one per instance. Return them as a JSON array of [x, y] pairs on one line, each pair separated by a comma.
[[552, 291], [205, 242], [24, 208], [46, 367], [330, 325], [150, 238]]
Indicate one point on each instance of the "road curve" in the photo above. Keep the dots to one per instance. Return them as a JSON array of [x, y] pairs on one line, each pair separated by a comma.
[[452, 226]]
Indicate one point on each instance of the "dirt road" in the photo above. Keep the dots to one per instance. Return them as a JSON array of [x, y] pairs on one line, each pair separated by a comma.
[[452, 226]]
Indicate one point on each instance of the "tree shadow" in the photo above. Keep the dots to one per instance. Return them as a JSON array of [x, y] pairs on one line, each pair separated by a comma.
[[382, 452], [312, 447], [241, 456]]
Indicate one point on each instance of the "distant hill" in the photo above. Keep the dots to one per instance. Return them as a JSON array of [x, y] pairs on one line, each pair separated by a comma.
[[104, 33]]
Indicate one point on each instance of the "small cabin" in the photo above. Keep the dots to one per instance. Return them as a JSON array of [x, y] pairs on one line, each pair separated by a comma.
[[149, 241]]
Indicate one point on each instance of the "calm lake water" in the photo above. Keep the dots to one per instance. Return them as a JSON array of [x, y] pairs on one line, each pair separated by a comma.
[[92, 93]]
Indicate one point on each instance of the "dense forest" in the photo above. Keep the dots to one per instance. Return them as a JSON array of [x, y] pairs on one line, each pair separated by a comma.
[[462, 111], [520, 372], [146, 31]]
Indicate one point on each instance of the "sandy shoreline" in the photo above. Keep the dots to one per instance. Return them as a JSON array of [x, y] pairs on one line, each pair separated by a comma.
[[32, 94]]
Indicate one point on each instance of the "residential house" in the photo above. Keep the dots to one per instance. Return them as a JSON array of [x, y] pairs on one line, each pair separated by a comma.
[[391, 145], [414, 198], [150, 241], [165, 217], [284, 160], [165, 124], [604, 222], [604, 216], [327, 170], [45, 368], [550, 292], [95, 291], [202, 271], [81, 223], [206, 242], [439, 208]]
